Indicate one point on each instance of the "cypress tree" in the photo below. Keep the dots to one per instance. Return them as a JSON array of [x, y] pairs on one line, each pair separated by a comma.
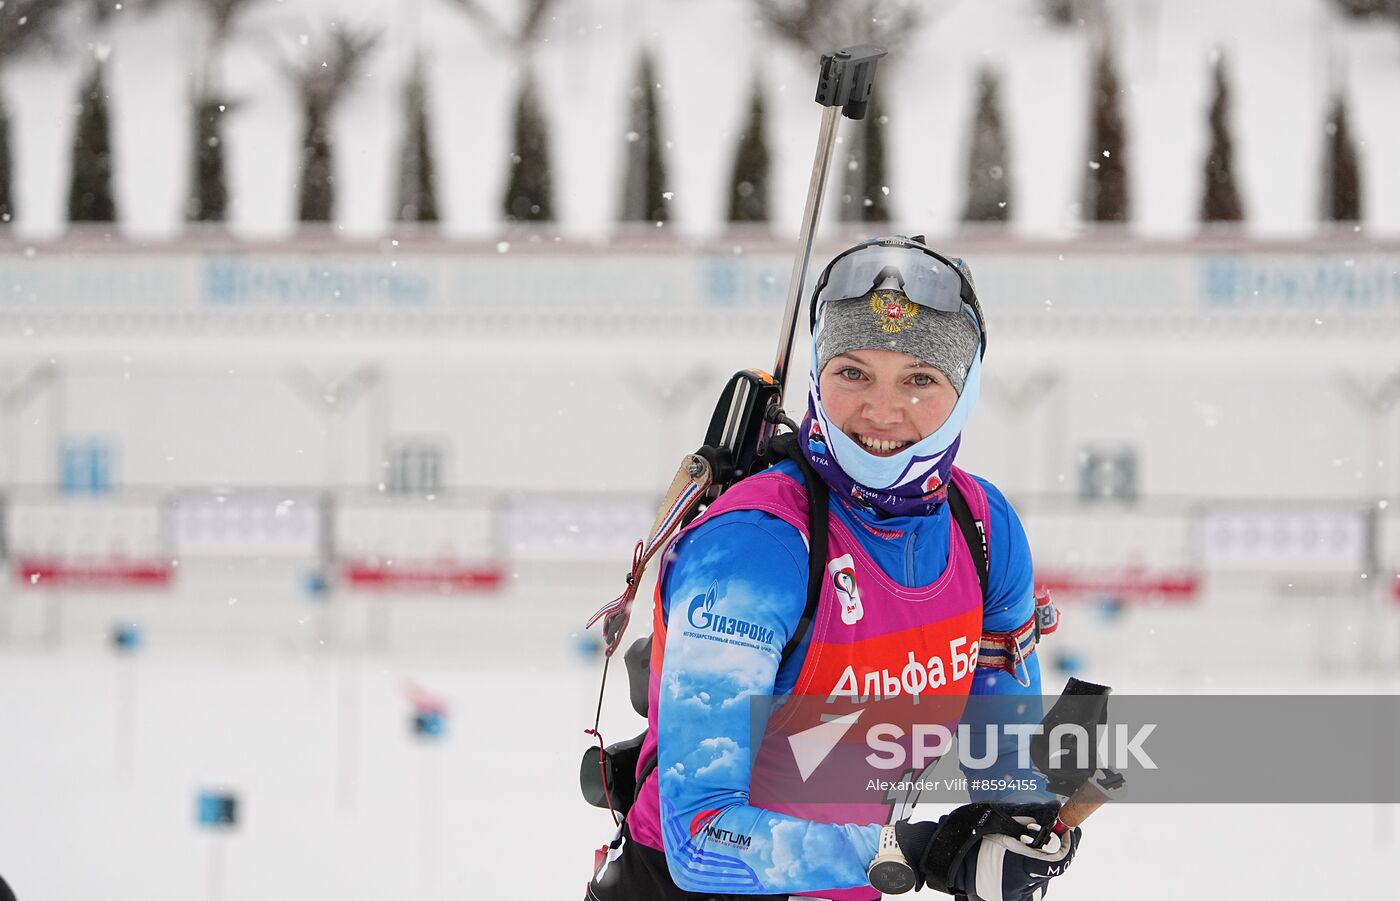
[[7, 210], [417, 196], [321, 85], [529, 196], [1106, 195], [316, 200], [644, 181], [1341, 177], [90, 187], [1221, 200], [865, 189], [208, 195], [988, 187], [208, 200], [748, 182]]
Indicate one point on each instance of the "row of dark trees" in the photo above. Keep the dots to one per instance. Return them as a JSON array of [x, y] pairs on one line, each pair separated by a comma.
[[322, 73], [864, 193], [1107, 197], [326, 73]]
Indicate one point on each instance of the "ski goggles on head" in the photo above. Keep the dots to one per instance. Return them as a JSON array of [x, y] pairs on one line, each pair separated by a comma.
[[927, 278]]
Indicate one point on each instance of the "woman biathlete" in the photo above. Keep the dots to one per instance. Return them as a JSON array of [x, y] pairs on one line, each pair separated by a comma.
[[897, 344]]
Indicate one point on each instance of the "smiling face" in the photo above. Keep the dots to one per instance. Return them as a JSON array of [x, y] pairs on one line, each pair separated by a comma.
[[885, 400]]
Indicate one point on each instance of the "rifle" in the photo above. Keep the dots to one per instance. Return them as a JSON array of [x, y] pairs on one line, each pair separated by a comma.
[[750, 408]]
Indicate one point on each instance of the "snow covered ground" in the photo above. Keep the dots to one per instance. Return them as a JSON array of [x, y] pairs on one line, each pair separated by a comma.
[[103, 755]]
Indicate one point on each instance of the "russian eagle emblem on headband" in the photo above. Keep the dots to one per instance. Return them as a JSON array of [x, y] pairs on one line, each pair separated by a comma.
[[893, 311]]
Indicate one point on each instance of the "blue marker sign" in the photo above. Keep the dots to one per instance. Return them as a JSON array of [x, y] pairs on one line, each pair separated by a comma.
[[429, 724], [217, 810], [126, 638]]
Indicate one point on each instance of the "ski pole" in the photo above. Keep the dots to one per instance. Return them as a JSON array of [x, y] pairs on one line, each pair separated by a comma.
[[1083, 705]]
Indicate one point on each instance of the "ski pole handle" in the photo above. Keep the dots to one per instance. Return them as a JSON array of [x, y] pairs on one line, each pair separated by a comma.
[[1096, 791], [1083, 803]]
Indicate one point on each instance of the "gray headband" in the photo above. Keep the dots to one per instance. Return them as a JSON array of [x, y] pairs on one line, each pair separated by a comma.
[[887, 320]]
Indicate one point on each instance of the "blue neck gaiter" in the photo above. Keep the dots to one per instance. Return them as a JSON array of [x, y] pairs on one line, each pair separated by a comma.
[[913, 482]]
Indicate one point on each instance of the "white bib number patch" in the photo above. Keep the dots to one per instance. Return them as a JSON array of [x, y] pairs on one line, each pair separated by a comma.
[[843, 578]]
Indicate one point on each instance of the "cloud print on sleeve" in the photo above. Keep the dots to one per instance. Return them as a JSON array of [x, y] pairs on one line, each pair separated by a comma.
[[803, 855], [718, 759], [725, 756]]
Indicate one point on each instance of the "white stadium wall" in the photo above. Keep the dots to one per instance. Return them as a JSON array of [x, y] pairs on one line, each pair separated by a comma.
[[1233, 373], [252, 410]]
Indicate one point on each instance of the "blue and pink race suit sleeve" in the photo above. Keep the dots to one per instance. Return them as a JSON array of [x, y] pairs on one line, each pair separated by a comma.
[[752, 567]]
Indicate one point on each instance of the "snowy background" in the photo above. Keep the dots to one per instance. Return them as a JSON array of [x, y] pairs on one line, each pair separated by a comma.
[[230, 383]]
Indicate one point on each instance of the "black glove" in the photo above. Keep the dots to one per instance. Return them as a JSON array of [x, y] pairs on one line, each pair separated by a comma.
[[984, 839]]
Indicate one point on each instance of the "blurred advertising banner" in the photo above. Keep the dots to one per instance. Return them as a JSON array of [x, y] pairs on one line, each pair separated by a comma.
[[1281, 540], [527, 280], [565, 527], [246, 524]]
